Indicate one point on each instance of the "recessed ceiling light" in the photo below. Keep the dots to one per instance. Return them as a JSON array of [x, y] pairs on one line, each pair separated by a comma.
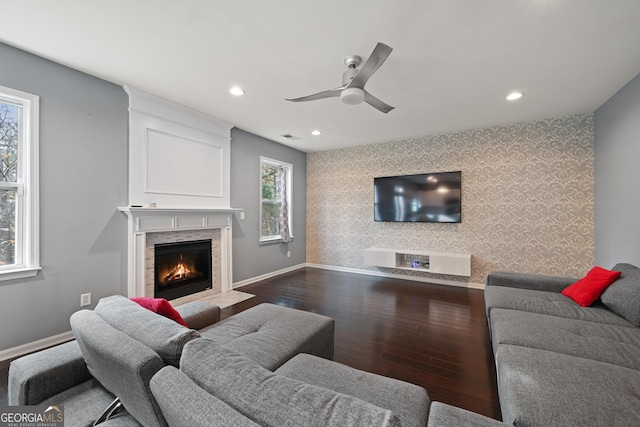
[[514, 95], [237, 91], [316, 132]]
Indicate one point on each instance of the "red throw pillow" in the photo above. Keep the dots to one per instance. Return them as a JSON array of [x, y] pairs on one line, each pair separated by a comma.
[[588, 289], [162, 307]]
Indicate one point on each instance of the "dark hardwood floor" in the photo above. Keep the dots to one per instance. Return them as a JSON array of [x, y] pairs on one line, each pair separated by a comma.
[[431, 335]]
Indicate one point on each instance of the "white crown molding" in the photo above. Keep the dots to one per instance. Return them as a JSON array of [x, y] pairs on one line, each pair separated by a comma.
[[153, 105]]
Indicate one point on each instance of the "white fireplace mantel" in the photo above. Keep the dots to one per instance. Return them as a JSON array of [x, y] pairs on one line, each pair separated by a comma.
[[154, 220]]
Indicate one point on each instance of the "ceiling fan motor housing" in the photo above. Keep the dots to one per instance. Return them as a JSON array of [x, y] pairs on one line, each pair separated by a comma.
[[348, 75]]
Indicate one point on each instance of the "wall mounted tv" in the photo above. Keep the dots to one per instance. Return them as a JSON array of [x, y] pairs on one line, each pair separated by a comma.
[[429, 197]]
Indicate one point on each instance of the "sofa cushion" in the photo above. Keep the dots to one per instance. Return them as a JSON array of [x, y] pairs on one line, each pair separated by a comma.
[[588, 289], [597, 341], [199, 314], [271, 334], [542, 388], [270, 399], [409, 402], [162, 335], [160, 306], [186, 404], [623, 296], [443, 415], [551, 303], [123, 365]]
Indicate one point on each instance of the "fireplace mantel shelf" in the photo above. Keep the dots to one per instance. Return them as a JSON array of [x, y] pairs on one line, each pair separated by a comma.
[[143, 210]]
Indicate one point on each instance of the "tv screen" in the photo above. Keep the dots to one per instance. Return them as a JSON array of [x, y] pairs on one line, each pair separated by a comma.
[[429, 197]]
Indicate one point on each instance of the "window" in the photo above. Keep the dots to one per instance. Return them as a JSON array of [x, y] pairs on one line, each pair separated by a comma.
[[19, 251], [275, 200]]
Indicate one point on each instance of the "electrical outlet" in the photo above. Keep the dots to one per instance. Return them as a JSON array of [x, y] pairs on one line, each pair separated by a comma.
[[242, 215], [288, 254], [85, 300]]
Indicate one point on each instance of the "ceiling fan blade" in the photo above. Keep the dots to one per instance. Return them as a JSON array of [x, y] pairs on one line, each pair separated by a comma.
[[376, 103], [375, 60], [331, 93]]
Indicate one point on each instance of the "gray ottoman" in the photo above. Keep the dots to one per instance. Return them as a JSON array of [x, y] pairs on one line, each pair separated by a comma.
[[408, 402], [270, 334]]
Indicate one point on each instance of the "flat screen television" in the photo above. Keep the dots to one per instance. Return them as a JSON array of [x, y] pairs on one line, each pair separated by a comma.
[[429, 197]]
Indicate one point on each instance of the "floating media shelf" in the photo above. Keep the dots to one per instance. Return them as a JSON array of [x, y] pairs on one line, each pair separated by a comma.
[[428, 262]]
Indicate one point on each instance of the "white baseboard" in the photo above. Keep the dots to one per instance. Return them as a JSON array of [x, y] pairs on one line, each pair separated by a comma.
[[30, 347], [266, 276], [359, 271], [400, 276]]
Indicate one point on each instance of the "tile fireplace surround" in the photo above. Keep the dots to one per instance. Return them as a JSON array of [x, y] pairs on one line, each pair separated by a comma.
[[148, 226]]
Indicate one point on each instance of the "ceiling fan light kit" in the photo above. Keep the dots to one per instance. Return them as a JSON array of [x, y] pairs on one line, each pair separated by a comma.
[[352, 96], [352, 91]]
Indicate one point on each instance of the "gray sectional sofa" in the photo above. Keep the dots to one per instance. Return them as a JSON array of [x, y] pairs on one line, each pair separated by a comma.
[[561, 364], [268, 366]]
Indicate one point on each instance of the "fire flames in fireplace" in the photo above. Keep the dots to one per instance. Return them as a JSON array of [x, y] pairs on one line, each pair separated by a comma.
[[182, 268], [180, 273]]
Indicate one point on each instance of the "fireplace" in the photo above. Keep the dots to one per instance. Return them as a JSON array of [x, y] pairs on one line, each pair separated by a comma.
[[149, 227], [182, 268]]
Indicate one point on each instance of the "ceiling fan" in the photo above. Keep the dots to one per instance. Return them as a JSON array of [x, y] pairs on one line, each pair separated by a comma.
[[352, 91]]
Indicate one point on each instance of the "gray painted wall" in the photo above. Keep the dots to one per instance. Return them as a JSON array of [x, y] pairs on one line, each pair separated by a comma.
[[83, 178], [617, 176], [250, 258]]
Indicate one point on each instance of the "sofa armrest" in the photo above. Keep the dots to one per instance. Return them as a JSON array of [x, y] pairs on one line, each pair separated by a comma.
[[199, 314], [536, 282], [443, 415], [38, 376], [186, 404]]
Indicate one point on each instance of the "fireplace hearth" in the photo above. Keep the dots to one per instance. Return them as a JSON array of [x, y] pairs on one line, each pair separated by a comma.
[[182, 268]]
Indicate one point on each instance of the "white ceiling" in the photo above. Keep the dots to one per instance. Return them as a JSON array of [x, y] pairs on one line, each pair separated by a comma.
[[453, 61]]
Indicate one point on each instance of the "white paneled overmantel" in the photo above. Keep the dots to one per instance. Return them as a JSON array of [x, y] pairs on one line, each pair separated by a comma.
[[142, 221], [179, 182], [178, 157]]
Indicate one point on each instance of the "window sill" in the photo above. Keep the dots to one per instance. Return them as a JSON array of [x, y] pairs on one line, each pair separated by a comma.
[[267, 241], [18, 273]]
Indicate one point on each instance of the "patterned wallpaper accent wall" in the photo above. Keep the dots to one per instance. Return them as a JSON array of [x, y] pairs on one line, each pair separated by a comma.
[[527, 198]]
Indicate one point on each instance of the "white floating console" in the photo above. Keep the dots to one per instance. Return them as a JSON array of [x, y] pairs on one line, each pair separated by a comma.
[[428, 262]]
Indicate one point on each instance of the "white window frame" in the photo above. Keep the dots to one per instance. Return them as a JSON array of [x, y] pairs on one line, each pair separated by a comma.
[[27, 247], [289, 167]]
